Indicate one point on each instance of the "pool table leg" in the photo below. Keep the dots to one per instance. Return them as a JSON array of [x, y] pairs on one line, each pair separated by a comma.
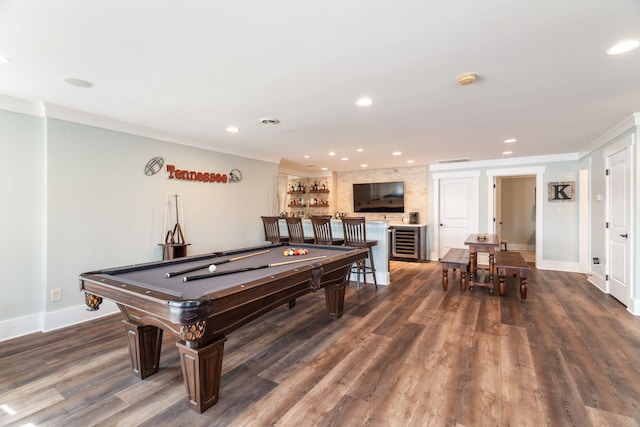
[[145, 343], [334, 299], [201, 370]]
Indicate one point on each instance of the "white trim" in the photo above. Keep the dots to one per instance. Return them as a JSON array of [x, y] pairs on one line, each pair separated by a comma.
[[538, 171], [21, 106], [294, 173], [45, 322], [462, 174], [634, 307], [70, 316], [556, 265], [517, 247], [621, 143], [584, 215], [598, 281], [505, 162], [613, 133]]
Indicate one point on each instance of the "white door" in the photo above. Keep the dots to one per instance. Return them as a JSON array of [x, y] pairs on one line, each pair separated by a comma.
[[618, 192], [458, 212]]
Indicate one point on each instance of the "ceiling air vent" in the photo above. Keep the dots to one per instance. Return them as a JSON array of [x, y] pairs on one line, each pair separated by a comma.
[[460, 160], [269, 121]]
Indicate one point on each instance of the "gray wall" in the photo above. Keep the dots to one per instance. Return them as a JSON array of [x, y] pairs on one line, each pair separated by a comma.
[[79, 200], [559, 230], [22, 215]]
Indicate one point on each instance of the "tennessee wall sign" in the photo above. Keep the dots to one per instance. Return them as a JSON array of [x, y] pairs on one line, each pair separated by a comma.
[[155, 165]]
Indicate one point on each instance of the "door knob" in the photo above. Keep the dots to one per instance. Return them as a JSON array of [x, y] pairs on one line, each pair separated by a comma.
[[625, 235]]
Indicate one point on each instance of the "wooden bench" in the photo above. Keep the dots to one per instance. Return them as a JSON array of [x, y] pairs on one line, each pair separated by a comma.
[[512, 263], [455, 258]]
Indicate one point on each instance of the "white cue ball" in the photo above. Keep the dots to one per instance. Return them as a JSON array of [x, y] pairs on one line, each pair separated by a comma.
[[212, 268]]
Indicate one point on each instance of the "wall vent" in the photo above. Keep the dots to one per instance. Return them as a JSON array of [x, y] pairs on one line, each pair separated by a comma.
[[460, 160]]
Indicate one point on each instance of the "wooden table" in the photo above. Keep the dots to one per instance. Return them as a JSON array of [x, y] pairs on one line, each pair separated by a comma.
[[512, 263], [476, 244]]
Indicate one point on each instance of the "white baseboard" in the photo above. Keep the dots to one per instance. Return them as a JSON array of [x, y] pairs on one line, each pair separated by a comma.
[[598, 281], [45, 322], [571, 267], [634, 307], [520, 247]]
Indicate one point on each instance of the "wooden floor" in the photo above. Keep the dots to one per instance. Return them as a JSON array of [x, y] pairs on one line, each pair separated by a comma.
[[407, 354]]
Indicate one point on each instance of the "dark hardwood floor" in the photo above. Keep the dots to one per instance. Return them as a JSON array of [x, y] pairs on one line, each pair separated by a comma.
[[407, 354]]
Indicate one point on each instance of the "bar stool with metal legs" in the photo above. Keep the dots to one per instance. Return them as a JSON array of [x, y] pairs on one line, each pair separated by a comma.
[[272, 230], [322, 231], [296, 233], [355, 235]]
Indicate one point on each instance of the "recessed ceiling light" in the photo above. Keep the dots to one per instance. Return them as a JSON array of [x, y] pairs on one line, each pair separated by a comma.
[[359, 150], [307, 156], [233, 129], [332, 153], [510, 140], [411, 161], [397, 153], [364, 165], [507, 152], [344, 158], [76, 82], [324, 169], [364, 102], [623, 47], [4, 59]]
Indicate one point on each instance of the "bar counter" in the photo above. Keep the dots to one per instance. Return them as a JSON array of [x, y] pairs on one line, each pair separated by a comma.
[[376, 230]]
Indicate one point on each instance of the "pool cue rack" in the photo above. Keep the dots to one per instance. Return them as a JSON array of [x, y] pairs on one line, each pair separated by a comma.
[[175, 244]]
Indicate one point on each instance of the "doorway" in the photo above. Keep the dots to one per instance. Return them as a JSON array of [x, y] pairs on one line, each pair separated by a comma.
[[515, 208], [536, 173]]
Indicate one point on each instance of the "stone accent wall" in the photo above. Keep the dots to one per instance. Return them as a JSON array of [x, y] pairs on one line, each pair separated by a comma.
[[415, 190]]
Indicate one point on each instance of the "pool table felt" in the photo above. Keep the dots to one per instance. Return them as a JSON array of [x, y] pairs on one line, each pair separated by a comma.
[[155, 278]]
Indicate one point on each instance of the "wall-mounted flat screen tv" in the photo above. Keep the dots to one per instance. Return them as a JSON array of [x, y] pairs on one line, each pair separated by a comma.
[[378, 197]]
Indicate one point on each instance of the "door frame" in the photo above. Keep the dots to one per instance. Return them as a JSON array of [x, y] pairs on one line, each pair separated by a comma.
[[475, 203], [627, 142], [538, 171]]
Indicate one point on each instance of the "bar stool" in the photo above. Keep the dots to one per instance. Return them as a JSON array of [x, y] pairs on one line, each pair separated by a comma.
[[355, 235], [296, 234], [272, 230], [322, 231]]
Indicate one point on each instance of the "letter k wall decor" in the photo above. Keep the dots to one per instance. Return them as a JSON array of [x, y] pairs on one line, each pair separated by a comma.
[[562, 191]]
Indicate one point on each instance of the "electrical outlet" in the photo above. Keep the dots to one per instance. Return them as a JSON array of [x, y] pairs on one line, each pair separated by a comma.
[[56, 295]]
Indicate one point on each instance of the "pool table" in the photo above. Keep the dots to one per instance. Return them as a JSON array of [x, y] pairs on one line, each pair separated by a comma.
[[202, 312]]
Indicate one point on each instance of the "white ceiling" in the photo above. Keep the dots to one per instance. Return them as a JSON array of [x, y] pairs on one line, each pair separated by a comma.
[[192, 68]]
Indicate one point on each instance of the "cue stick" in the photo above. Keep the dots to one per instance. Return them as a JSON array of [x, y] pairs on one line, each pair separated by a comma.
[[240, 270], [200, 267]]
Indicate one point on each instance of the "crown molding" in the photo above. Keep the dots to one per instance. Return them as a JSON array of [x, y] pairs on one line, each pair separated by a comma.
[[22, 106], [625, 126], [505, 162]]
